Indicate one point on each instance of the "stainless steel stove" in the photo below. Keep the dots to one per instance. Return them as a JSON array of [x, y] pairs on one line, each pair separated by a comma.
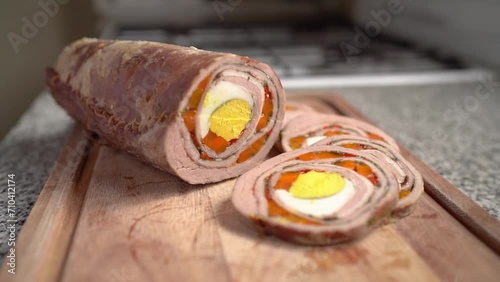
[[313, 57]]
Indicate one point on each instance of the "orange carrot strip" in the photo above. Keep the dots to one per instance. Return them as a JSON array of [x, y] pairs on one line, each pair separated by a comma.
[[308, 156], [353, 146], [333, 133], [327, 155], [374, 136], [204, 156], [190, 119], [267, 110], [363, 169], [286, 180], [252, 149], [296, 142], [403, 193], [215, 142], [198, 92], [347, 164]]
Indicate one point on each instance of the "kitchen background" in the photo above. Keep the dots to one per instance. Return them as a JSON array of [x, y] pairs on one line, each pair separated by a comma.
[[301, 39]]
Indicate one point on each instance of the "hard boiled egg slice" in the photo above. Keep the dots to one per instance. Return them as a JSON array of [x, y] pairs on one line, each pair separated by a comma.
[[319, 194], [226, 110]]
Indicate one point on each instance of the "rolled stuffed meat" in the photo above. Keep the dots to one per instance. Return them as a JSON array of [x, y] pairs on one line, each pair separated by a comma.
[[203, 116], [411, 184], [318, 195], [306, 129]]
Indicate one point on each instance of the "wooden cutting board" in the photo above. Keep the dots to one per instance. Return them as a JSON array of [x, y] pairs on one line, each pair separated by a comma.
[[104, 216]]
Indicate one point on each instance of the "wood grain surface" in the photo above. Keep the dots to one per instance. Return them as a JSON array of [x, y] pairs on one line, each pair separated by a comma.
[[109, 217]]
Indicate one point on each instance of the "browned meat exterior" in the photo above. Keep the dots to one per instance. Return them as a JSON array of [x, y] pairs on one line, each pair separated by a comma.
[[279, 195], [411, 184], [203, 116], [308, 128], [294, 108]]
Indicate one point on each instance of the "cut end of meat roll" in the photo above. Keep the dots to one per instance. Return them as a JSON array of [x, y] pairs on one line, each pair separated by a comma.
[[305, 129], [203, 116], [411, 184], [320, 195], [230, 120]]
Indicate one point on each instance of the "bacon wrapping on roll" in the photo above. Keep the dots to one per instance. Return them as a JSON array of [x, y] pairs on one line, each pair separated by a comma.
[[308, 128], [203, 116], [318, 195], [411, 184]]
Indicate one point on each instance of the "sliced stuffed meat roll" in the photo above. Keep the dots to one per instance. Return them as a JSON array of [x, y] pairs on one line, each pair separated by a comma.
[[203, 116], [306, 129], [411, 184], [318, 195]]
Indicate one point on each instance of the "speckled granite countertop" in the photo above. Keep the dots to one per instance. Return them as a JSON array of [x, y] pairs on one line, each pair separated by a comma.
[[450, 127]]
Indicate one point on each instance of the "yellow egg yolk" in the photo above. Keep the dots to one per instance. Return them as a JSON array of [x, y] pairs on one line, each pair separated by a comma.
[[313, 184], [229, 120]]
